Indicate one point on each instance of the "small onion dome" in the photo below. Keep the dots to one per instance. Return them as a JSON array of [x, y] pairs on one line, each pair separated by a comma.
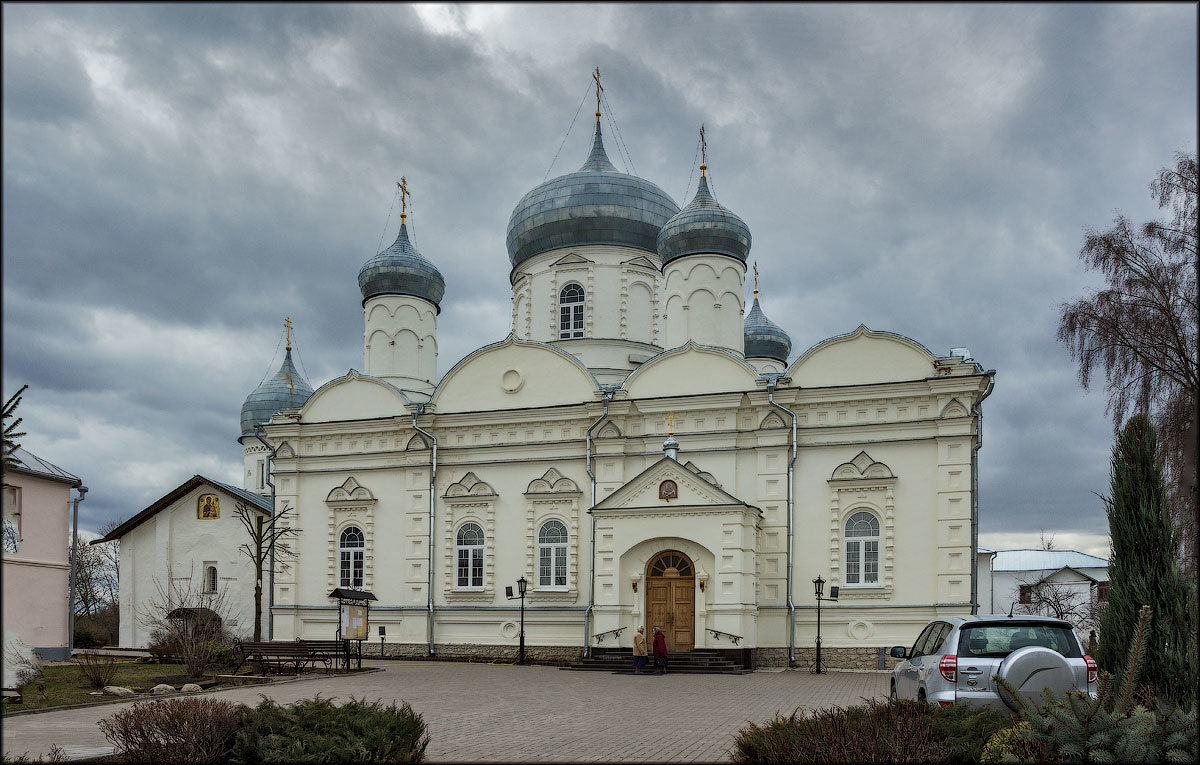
[[286, 390], [763, 337], [704, 227], [594, 205], [401, 270]]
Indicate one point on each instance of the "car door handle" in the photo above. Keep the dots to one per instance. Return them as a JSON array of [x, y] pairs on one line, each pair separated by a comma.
[[972, 671]]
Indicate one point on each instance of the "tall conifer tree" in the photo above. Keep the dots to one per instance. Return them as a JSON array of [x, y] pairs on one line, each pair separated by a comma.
[[1145, 570]]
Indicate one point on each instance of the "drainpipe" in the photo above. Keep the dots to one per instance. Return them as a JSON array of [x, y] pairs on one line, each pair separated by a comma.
[[74, 556], [791, 605], [587, 615], [271, 575], [978, 412], [432, 509]]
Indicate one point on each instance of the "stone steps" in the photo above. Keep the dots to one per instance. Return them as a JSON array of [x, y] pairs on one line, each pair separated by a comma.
[[620, 661]]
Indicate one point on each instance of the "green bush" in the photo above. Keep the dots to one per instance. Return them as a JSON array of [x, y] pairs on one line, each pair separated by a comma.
[[87, 639], [967, 729], [316, 730], [175, 730], [896, 731]]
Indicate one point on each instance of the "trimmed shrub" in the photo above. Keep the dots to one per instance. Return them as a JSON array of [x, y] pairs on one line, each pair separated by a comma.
[[86, 639], [97, 670], [175, 730], [316, 730], [897, 731]]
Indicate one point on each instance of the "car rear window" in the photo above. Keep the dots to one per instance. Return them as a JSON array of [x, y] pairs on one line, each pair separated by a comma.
[[999, 640]]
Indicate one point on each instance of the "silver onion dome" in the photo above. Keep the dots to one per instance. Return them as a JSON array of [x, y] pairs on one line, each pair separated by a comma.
[[401, 270], [704, 227], [763, 337], [286, 390], [594, 205]]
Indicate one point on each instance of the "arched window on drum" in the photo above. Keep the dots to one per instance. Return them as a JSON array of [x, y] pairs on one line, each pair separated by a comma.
[[571, 303], [862, 549], [351, 546], [552, 554]]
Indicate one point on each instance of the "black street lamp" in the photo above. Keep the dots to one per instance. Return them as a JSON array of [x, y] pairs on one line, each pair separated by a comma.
[[522, 584], [819, 590]]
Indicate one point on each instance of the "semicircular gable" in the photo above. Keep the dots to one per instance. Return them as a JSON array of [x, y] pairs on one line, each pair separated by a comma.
[[514, 374], [353, 397], [690, 369], [862, 357]]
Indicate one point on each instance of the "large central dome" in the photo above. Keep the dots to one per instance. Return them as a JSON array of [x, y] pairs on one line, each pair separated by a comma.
[[594, 205]]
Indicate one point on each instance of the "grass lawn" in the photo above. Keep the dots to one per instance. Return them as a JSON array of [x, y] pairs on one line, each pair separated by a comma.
[[65, 685]]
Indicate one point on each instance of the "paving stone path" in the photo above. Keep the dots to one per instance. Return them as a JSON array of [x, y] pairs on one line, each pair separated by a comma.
[[482, 712]]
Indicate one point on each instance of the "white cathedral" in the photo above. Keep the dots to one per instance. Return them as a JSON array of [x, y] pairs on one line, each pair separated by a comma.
[[637, 448]]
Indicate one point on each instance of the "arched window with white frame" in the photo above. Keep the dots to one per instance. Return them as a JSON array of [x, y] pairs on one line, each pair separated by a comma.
[[552, 554], [468, 549], [862, 549], [571, 302], [210, 578], [351, 546]]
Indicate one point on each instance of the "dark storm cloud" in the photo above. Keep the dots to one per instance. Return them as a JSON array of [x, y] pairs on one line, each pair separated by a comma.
[[177, 178]]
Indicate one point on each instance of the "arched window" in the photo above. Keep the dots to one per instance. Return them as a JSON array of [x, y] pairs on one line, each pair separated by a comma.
[[469, 549], [210, 579], [350, 548], [862, 549], [552, 555], [570, 312]]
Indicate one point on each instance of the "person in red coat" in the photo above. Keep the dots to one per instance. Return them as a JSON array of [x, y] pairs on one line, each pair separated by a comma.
[[660, 652]]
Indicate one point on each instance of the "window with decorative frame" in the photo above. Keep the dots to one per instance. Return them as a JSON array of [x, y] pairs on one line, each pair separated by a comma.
[[468, 548], [862, 549], [552, 554], [351, 545], [571, 303]]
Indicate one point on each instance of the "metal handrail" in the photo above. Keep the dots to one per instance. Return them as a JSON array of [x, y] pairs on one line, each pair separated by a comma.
[[735, 639], [599, 636]]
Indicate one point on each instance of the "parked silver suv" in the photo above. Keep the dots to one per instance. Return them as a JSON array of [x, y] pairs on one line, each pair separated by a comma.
[[954, 660]]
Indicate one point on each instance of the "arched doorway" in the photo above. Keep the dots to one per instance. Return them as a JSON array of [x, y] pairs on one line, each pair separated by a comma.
[[671, 599]]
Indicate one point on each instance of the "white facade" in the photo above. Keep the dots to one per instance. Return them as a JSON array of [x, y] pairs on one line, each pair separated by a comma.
[[167, 549], [1056, 582]]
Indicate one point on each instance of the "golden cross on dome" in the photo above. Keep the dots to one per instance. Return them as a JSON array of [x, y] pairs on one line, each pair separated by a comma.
[[703, 152], [287, 324], [671, 419], [756, 278], [599, 89], [404, 195]]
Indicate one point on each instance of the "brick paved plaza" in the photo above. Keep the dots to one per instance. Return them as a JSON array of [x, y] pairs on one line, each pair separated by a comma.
[[494, 712]]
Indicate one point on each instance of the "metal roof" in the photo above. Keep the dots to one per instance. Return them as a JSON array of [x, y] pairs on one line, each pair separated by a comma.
[[594, 205], [286, 390], [255, 500], [1044, 560], [704, 227], [30, 463], [401, 270], [764, 338]]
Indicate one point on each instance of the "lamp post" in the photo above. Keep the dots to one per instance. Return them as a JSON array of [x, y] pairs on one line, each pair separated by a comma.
[[522, 584], [819, 591]]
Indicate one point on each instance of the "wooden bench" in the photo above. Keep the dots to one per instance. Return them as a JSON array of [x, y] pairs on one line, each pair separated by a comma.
[[276, 654], [333, 653]]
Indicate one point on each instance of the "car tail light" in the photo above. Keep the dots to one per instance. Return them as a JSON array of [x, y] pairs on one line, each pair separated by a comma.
[[949, 668], [946, 703], [1093, 670]]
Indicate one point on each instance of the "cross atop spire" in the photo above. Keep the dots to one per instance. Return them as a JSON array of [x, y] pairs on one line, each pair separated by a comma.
[[599, 90], [287, 324], [756, 280], [703, 152], [404, 195]]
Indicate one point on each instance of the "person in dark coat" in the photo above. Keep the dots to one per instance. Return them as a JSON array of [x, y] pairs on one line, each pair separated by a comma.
[[660, 652]]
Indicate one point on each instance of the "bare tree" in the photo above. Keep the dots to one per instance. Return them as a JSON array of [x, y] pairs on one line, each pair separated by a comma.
[[189, 620], [1141, 329], [265, 532], [1060, 600], [1044, 543], [97, 587]]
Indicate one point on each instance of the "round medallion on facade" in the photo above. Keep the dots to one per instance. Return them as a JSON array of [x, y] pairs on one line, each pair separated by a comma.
[[512, 381], [594, 205]]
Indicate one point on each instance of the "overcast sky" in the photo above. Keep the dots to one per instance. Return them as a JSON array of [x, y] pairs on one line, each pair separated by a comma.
[[179, 178]]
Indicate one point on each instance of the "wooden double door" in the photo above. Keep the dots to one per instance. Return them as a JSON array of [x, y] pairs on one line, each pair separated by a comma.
[[671, 600]]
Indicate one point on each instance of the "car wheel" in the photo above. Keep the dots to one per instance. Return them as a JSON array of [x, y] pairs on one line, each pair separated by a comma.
[[892, 696], [921, 696]]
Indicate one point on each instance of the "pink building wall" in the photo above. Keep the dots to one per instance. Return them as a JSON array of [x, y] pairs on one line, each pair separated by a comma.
[[36, 577]]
